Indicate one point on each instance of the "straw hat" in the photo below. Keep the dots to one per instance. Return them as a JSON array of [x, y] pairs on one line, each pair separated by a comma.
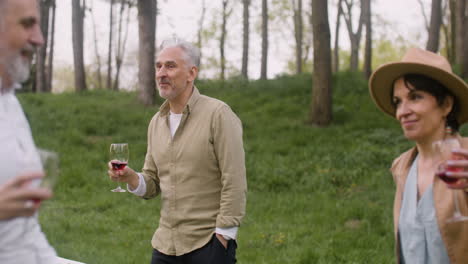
[[417, 61]]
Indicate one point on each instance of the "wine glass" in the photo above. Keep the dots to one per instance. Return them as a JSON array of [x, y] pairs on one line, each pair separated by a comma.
[[444, 148], [119, 159], [50, 165]]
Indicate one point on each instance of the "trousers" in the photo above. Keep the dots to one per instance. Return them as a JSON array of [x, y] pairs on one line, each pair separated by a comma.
[[212, 253]]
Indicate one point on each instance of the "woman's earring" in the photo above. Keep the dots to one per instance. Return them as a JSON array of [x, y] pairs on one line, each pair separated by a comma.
[[448, 130]]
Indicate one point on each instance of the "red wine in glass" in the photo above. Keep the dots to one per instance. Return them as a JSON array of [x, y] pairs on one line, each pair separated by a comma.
[[119, 157], [448, 180], [444, 148], [442, 173], [118, 165]]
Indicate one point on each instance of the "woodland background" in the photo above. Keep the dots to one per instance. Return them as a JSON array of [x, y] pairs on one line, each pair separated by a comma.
[[317, 148]]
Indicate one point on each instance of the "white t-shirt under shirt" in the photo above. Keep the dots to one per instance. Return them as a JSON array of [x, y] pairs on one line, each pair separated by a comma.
[[174, 121]]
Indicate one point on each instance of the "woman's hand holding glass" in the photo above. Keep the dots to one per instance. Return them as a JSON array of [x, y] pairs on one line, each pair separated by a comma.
[[459, 169], [453, 171]]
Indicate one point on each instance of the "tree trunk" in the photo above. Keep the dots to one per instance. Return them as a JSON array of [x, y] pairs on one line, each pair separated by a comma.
[[41, 58], [222, 41], [308, 42], [336, 50], [368, 48], [200, 29], [109, 56], [98, 56], [119, 52], [354, 37], [146, 72], [445, 30], [460, 17], [263, 69], [434, 28], [78, 10], [156, 10], [321, 107], [452, 28], [426, 23], [50, 64], [245, 40], [298, 27]]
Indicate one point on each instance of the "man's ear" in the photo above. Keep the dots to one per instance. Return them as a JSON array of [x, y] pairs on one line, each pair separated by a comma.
[[193, 73]]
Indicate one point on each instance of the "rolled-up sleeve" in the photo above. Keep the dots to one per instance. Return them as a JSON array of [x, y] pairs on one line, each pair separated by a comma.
[[229, 149]]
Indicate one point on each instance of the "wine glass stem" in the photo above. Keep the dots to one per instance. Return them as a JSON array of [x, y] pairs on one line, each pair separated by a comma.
[[455, 200]]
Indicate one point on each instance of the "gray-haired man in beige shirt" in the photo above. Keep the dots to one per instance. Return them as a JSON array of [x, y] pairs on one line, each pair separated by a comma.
[[195, 161]]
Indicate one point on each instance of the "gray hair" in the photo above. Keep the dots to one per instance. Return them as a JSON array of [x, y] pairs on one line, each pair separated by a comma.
[[191, 52]]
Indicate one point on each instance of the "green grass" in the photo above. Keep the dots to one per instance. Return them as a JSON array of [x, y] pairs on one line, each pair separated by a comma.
[[316, 195]]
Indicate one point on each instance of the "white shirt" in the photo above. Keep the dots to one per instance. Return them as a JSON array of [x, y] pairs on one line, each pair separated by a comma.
[[421, 241], [21, 239], [174, 121]]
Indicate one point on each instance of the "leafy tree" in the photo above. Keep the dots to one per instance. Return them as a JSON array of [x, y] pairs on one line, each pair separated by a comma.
[[354, 36]]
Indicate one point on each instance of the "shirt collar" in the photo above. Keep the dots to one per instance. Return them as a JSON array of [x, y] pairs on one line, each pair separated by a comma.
[[165, 108]]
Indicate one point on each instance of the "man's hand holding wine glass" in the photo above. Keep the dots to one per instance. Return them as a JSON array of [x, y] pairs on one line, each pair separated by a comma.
[[127, 175], [17, 194]]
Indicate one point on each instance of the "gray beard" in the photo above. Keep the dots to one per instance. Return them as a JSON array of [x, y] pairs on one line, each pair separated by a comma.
[[17, 70]]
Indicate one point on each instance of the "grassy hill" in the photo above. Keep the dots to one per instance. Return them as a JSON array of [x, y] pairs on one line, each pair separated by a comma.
[[316, 195]]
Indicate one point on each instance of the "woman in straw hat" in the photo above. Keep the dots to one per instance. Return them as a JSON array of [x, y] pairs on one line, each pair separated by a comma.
[[431, 103]]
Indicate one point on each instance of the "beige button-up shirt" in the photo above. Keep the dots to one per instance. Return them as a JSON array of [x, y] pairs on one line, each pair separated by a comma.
[[200, 174]]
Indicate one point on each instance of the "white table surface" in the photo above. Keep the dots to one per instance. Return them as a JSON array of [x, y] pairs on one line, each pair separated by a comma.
[[67, 261]]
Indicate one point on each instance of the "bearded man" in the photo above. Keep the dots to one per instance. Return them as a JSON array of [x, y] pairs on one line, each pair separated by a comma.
[[21, 238]]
